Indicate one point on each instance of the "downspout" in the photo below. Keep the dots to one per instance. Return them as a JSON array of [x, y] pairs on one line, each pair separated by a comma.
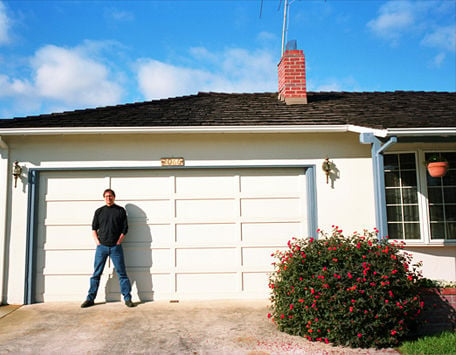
[[4, 168], [377, 150]]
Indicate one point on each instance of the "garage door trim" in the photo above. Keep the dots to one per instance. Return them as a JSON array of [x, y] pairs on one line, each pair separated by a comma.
[[32, 208]]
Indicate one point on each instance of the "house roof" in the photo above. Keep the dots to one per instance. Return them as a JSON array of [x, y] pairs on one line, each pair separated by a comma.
[[376, 110]]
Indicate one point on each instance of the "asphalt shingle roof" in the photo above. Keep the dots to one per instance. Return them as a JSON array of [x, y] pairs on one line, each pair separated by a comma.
[[399, 109]]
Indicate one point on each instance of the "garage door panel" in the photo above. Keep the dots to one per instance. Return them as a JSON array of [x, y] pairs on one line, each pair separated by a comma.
[[265, 185], [205, 209], [81, 187], [146, 257], [206, 259], [157, 210], [71, 212], [270, 233], [67, 288], [271, 207], [256, 283], [144, 284], [212, 283], [143, 187], [258, 258], [69, 262], [155, 235], [206, 234], [69, 237], [205, 185]]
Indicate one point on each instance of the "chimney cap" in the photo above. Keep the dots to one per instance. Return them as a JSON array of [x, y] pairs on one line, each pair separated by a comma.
[[292, 45]]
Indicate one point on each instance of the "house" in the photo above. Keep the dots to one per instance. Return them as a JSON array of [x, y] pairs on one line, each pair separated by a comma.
[[214, 183]]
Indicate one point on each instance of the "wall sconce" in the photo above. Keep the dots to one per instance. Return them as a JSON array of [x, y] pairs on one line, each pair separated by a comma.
[[17, 171], [327, 167]]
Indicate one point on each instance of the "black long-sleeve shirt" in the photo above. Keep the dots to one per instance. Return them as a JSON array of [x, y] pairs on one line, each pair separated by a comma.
[[110, 222]]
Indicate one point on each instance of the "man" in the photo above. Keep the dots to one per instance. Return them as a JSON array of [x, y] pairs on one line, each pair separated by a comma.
[[109, 227]]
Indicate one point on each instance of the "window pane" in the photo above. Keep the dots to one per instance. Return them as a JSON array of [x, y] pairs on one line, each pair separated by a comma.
[[394, 213], [393, 196], [450, 178], [395, 231], [390, 162], [435, 195], [391, 179], [450, 213], [412, 230], [411, 213], [407, 161], [410, 195], [432, 181], [436, 212], [451, 231], [450, 194], [437, 231], [451, 157], [408, 178]]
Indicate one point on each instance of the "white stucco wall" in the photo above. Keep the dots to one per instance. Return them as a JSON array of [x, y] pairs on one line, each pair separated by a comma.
[[348, 201]]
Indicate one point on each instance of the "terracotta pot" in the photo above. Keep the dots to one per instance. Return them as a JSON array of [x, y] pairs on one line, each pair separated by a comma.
[[437, 169]]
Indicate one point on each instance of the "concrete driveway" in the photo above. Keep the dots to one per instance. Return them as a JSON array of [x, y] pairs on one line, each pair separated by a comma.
[[212, 327]]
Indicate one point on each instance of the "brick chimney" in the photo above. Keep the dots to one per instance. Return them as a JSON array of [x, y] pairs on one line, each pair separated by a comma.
[[292, 77]]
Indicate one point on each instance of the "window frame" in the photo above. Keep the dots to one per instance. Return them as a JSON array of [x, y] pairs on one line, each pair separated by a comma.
[[423, 200]]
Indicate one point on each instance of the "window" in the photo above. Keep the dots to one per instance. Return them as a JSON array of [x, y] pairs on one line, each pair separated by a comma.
[[419, 210], [441, 194]]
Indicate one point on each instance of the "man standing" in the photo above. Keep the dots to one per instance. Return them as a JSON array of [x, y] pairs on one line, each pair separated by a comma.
[[109, 227]]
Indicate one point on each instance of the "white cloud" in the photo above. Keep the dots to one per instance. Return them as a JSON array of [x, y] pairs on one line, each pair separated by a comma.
[[443, 38], [5, 24], [63, 78], [233, 70], [394, 17], [119, 15], [438, 60], [69, 76]]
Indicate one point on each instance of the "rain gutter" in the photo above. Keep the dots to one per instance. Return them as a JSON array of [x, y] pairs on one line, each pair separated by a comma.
[[191, 129]]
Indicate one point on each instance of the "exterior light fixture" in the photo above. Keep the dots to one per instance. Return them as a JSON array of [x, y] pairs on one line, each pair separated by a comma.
[[17, 171], [327, 167]]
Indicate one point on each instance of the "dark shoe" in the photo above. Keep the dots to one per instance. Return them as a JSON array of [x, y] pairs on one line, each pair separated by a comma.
[[129, 303], [87, 303]]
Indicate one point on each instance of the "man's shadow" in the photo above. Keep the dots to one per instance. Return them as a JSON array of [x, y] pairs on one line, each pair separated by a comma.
[[138, 259]]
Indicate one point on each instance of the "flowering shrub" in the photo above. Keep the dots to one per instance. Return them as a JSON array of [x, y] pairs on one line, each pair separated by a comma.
[[353, 291]]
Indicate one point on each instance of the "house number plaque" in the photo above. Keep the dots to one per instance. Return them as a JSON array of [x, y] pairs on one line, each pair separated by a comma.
[[172, 161]]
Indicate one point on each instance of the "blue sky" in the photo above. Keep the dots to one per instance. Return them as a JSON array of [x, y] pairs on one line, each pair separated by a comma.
[[66, 55]]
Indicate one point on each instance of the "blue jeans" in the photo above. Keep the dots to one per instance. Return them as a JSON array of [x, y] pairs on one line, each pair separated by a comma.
[[101, 255]]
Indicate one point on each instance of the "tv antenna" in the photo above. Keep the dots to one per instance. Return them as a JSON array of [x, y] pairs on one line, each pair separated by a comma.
[[286, 9]]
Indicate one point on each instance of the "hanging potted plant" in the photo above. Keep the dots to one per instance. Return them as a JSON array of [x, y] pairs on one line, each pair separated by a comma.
[[437, 166]]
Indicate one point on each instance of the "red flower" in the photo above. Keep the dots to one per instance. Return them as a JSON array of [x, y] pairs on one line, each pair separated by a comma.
[[393, 332], [359, 335], [269, 315]]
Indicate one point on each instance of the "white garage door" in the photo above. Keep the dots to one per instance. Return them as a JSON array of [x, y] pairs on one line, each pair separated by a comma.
[[194, 233]]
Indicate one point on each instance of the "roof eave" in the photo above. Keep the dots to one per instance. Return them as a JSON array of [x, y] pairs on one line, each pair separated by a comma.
[[189, 129]]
